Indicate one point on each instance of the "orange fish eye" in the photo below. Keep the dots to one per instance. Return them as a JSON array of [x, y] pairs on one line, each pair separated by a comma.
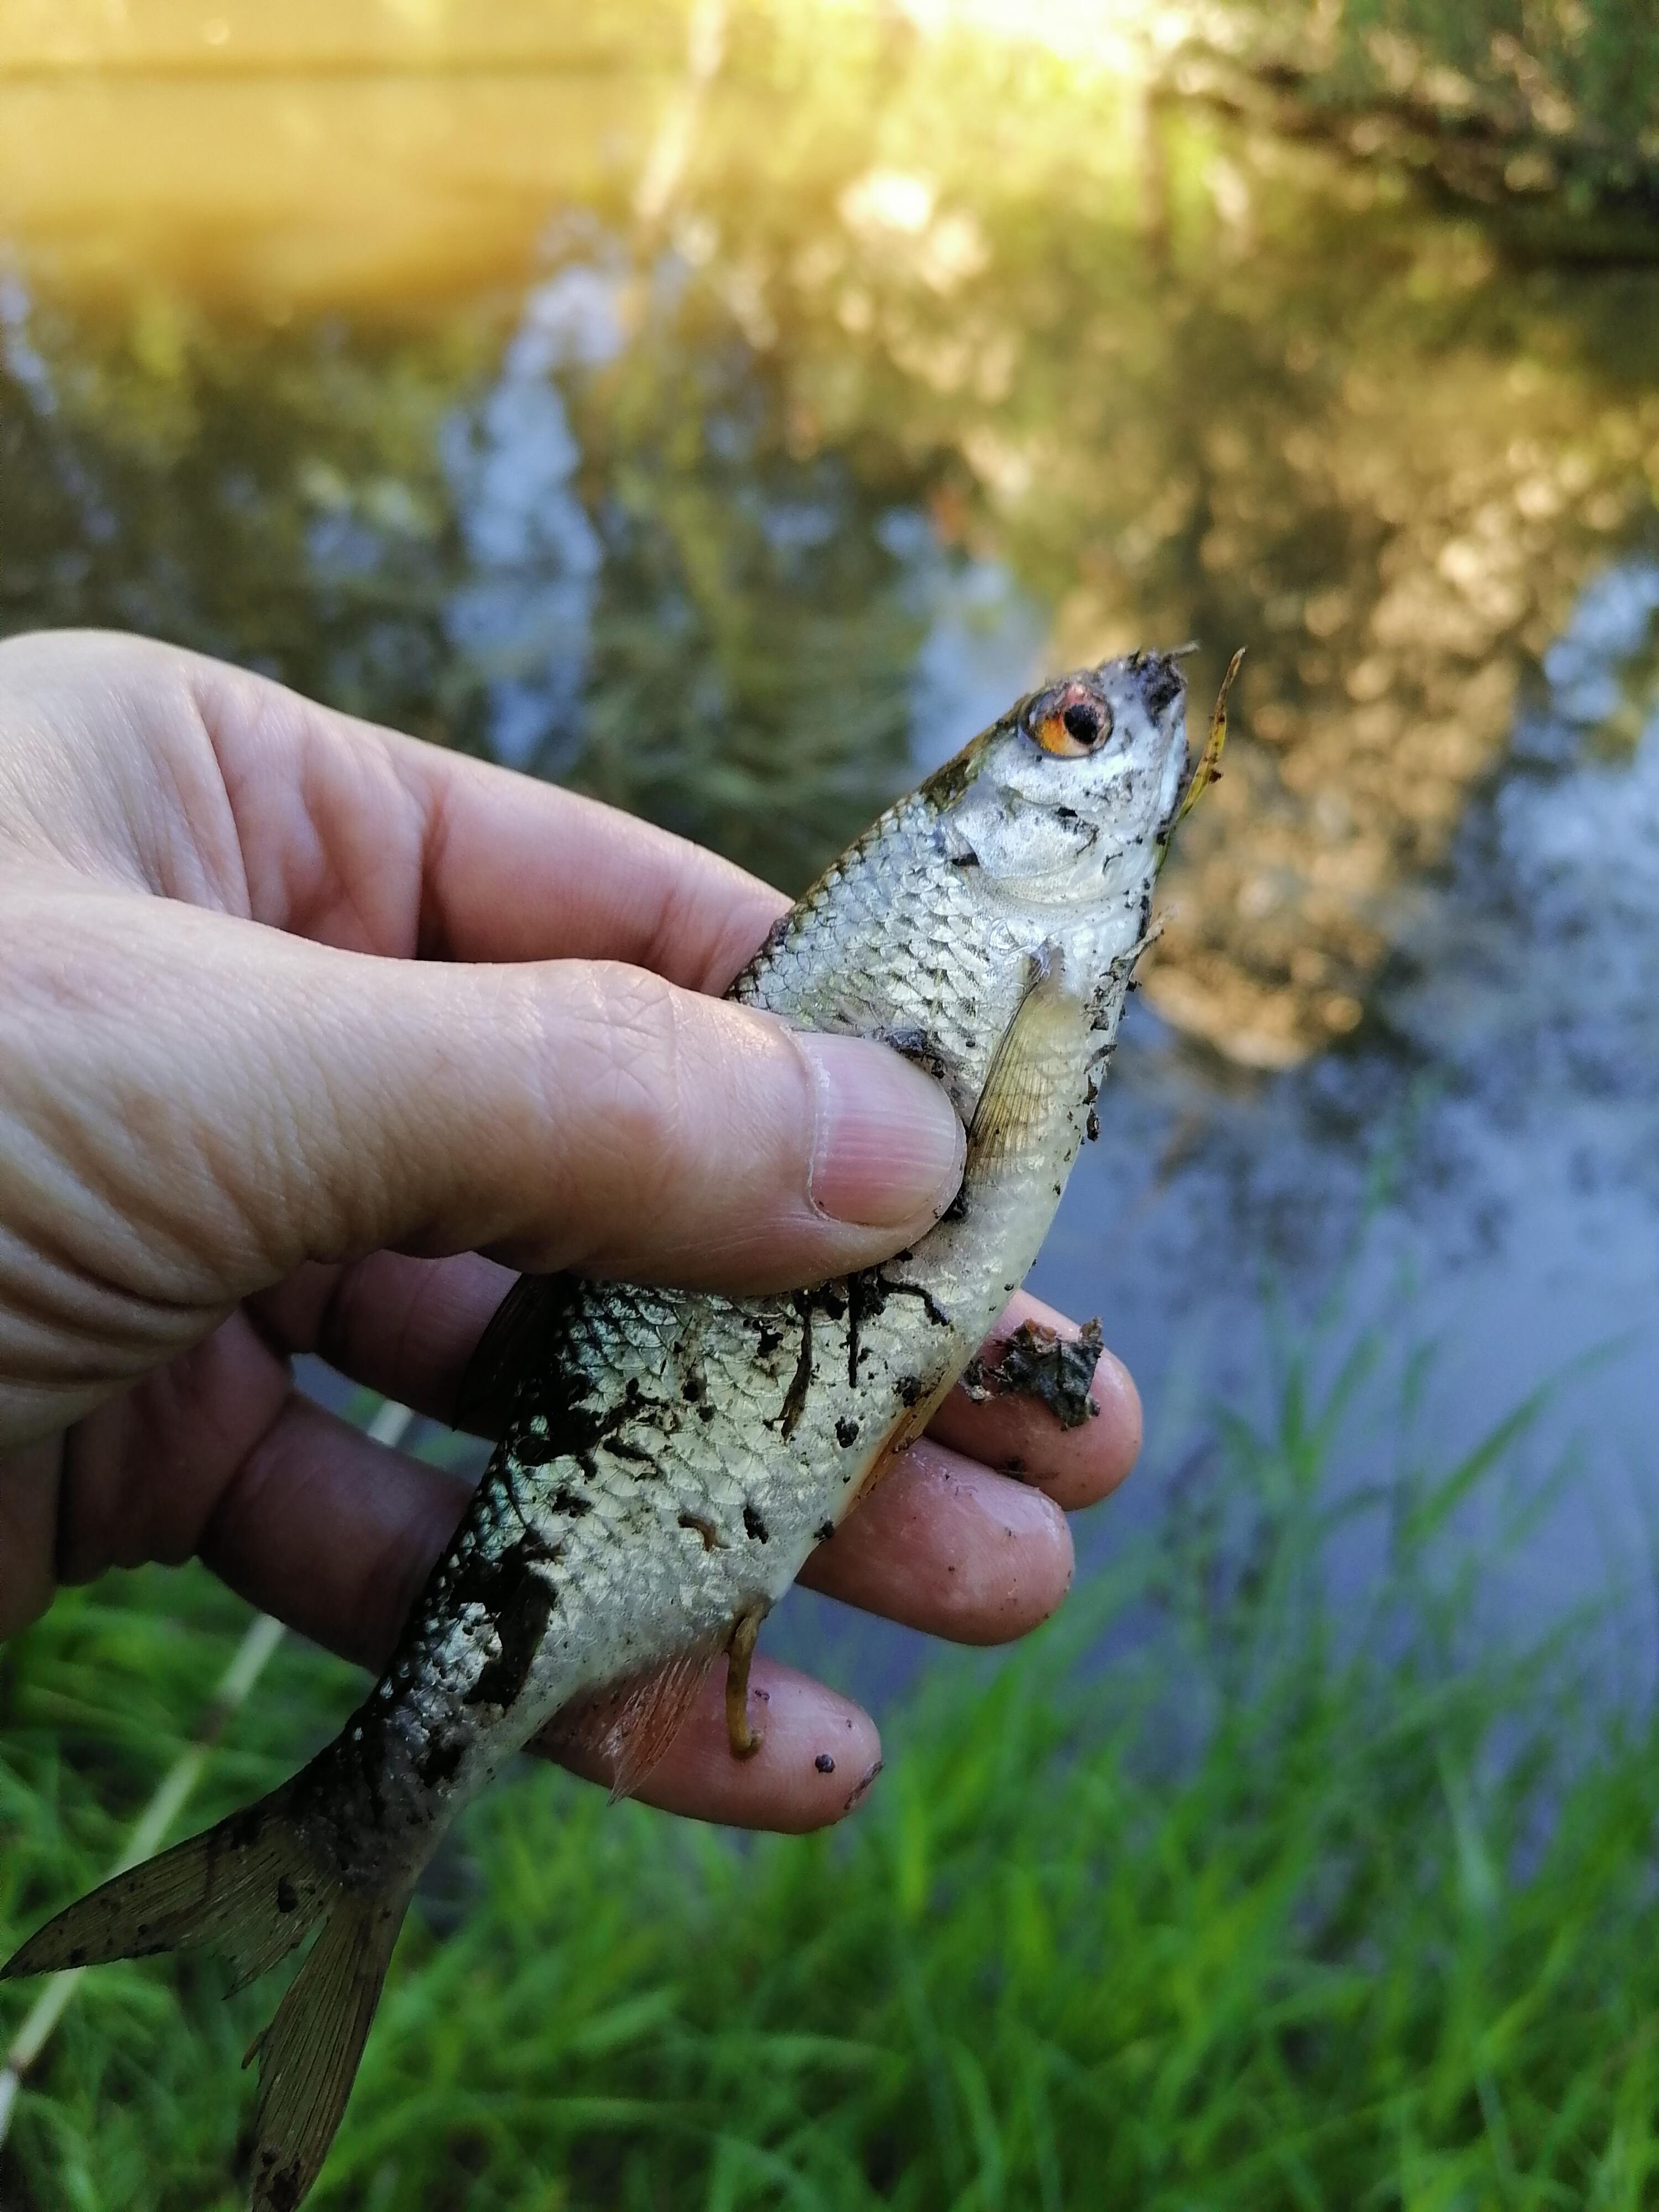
[[1073, 724]]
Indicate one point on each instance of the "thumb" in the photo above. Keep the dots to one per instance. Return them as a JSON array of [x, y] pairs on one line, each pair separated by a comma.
[[223, 1102], [586, 1113]]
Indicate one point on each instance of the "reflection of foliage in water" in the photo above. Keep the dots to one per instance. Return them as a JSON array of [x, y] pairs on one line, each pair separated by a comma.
[[271, 497], [1506, 102], [753, 637], [1177, 378], [1187, 380], [304, 504]]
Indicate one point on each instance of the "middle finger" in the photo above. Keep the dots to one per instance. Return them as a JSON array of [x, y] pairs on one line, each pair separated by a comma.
[[942, 1543]]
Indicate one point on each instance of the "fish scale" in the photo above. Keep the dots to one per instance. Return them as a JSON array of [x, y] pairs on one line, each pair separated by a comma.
[[864, 903], [669, 1458]]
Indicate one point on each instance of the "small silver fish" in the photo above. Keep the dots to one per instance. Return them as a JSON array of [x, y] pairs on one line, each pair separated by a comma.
[[669, 1458]]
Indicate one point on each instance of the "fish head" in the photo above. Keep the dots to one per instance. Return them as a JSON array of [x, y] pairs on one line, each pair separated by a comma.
[[1066, 802]]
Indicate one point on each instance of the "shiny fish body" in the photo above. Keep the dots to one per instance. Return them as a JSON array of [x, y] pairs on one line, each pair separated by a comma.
[[670, 1458], [674, 1456]]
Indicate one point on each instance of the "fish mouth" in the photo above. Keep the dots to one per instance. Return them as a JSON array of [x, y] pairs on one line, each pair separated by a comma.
[[1159, 677]]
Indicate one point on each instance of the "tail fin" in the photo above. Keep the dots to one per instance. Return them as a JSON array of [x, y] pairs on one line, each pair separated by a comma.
[[250, 1890], [308, 2055]]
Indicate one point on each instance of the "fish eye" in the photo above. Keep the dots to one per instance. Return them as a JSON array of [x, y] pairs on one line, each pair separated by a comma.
[[1071, 723]]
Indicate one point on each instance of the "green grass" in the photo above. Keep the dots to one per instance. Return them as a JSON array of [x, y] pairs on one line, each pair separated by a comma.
[[1222, 1892]]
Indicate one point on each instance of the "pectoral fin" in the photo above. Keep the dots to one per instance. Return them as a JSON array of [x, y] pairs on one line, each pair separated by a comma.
[[1036, 1057], [514, 1342]]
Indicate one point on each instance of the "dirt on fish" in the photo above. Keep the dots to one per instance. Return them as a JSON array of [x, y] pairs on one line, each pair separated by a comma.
[[1038, 1362]]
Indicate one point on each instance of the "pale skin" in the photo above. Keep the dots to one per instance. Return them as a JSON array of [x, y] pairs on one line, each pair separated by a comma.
[[309, 1035]]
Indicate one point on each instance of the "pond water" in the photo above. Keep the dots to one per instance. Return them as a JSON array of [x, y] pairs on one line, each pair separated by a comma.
[[729, 414]]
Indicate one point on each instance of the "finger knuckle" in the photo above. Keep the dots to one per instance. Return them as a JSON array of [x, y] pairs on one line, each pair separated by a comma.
[[618, 1085]]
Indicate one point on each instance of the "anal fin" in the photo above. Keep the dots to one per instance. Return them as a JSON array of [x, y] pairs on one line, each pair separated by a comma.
[[623, 1730]]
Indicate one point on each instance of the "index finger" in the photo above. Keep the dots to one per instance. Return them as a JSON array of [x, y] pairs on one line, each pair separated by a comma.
[[207, 783], [466, 861]]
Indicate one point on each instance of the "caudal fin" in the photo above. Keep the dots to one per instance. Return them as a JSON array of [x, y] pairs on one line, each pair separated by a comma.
[[308, 2055], [250, 1890]]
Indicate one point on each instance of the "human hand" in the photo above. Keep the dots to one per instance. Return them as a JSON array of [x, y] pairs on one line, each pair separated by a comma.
[[308, 1033]]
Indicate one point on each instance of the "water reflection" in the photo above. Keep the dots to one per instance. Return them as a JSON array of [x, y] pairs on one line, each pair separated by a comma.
[[735, 426], [524, 616], [660, 527], [1478, 1170]]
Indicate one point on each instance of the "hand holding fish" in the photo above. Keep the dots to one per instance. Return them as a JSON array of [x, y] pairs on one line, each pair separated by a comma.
[[299, 1021]]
